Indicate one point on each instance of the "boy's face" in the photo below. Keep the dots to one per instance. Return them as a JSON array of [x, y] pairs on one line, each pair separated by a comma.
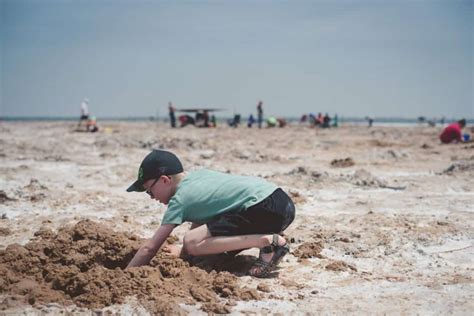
[[161, 189]]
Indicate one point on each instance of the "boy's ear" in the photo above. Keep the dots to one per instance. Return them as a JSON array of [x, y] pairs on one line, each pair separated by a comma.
[[166, 179]]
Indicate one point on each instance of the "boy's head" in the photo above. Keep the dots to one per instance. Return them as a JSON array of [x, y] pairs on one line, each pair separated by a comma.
[[462, 123], [157, 172]]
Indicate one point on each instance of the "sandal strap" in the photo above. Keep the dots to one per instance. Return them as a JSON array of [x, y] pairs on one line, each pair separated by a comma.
[[272, 246], [263, 268], [262, 264], [280, 252], [275, 240]]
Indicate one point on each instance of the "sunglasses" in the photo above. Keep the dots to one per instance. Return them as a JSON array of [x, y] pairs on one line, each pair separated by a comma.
[[148, 191]]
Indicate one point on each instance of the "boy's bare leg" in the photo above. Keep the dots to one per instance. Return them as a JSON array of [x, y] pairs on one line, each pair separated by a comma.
[[176, 250], [199, 242]]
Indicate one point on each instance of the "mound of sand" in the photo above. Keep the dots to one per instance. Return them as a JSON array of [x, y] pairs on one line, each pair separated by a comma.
[[340, 266], [84, 265], [309, 250]]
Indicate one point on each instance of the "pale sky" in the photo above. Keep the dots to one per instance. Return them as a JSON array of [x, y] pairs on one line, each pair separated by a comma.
[[355, 58]]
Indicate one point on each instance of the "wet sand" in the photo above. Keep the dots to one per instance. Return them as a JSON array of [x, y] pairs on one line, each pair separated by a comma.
[[384, 220]]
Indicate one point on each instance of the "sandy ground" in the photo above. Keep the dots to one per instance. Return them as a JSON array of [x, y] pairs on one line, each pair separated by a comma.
[[387, 210]]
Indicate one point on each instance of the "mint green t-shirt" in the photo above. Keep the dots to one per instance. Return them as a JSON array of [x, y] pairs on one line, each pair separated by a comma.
[[204, 194]]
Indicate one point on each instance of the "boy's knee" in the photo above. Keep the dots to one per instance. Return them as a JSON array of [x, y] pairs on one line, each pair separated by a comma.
[[189, 245]]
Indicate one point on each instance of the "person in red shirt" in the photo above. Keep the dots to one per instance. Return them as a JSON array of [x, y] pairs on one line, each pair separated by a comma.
[[452, 133]]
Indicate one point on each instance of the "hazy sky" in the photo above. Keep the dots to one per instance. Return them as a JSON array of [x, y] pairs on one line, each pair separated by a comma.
[[354, 58]]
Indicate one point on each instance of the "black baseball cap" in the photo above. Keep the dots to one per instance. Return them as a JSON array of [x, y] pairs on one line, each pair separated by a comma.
[[156, 164]]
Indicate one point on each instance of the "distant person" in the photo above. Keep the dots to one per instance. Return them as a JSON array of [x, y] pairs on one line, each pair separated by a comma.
[[260, 113], [250, 121], [206, 118], [369, 120], [303, 118], [171, 111], [271, 121], [312, 119], [185, 120], [452, 133], [281, 122], [228, 213], [199, 118], [84, 112], [320, 119], [335, 123], [235, 122], [213, 121], [326, 121], [92, 125]]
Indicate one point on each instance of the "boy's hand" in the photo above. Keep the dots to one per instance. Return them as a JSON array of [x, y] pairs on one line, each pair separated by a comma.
[[173, 250], [148, 250]]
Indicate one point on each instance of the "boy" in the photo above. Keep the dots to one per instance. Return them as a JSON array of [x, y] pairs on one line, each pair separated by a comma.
[[84, 112], [228, 213]]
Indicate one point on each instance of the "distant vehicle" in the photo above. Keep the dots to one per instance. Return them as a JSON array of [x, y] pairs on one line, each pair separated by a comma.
[[195, 110], [201, 117]]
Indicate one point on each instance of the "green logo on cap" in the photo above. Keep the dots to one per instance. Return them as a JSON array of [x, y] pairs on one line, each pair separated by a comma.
[[140, 174]]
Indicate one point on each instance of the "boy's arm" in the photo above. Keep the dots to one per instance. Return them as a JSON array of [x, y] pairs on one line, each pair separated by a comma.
[[178, 251], [149, 249]]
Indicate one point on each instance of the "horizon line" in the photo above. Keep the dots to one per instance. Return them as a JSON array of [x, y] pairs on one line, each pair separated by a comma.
[[386, 119]]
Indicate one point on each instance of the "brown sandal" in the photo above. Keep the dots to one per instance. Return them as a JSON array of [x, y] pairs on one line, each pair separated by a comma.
[[262, 267]]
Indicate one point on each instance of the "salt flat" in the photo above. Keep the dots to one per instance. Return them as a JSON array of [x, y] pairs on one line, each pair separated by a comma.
[[398, 222]]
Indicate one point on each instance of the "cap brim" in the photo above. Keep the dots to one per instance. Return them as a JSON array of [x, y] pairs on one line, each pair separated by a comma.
[[137, 186]]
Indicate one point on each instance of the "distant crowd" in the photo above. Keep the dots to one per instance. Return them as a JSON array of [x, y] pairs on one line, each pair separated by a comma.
[[202, 118], [319, 121], [205, 118]]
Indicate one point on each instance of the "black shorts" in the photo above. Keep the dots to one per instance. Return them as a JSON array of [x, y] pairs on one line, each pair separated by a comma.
[[271, 216], [84, 117]]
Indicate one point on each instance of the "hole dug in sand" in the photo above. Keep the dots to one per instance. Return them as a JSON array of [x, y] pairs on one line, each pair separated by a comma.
[[84, 265]]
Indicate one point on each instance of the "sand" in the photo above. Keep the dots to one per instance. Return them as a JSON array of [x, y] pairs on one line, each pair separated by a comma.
[[384, 221]]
